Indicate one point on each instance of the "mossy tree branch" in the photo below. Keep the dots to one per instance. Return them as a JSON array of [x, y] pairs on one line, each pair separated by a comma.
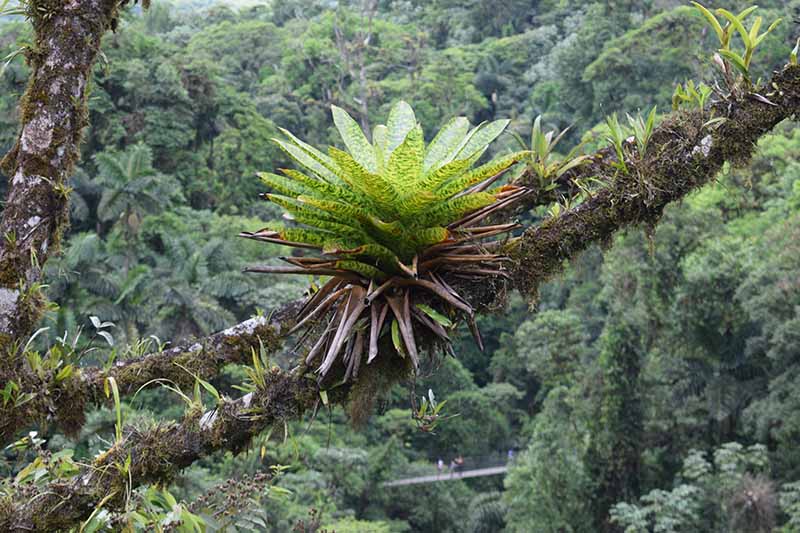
[[157, 454], [204, 357], [684, 153], [64, 403]]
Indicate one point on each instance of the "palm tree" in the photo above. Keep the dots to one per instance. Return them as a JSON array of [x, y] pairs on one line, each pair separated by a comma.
[[131, 188], [87, 280], [188, 287], [487, 513], [83, 188]]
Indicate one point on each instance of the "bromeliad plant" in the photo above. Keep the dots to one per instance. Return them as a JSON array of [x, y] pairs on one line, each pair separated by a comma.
[[390, 219]]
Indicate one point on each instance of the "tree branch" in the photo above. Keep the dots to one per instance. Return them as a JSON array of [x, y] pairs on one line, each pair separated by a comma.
[[683, 154], [65, 402], [204, 357], [155, 455]]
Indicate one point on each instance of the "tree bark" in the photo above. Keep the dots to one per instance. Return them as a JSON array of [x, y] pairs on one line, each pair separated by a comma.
[[53, 111]]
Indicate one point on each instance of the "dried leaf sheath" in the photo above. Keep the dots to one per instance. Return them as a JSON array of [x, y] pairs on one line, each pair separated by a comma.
[[388, 220]]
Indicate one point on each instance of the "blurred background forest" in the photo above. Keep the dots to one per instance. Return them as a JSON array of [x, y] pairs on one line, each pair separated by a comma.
[[658, 381]]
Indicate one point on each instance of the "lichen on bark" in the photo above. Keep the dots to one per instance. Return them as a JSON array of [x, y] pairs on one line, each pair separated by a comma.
[[53, 114]]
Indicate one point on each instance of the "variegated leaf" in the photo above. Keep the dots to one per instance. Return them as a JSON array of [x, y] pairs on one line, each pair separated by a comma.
[[430, 236], [480, 174], [282, 185], [443, 213], [401, 121], [375, 187], [383, 254], [380, 136], [445, 142], [353, 137], [443, 174], [295, 207], [481, 138], [368, 271], [323, 189], [405, 163], [308, 162]]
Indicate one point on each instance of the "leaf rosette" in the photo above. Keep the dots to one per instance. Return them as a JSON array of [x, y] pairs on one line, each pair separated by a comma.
[[391, 220]]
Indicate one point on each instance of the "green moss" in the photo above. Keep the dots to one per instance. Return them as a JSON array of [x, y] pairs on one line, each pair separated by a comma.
[[71, 404], [64, 402], [373, 380], [10, 273], [241, 345], [6, 510]]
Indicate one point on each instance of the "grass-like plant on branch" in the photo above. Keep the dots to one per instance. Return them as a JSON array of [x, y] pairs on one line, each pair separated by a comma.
[[390, 223]]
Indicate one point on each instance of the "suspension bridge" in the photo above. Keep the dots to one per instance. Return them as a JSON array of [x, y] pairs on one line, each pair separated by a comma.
[[490, 465]]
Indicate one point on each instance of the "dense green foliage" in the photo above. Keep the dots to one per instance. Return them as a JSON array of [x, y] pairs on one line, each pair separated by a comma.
[[385, 201], [657, 385]]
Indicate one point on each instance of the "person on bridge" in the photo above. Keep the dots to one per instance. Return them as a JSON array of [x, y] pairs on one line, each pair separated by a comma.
[[440, 465], [456, 464]]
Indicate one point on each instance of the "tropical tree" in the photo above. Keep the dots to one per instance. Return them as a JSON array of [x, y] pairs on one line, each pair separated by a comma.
[[131, 188], [188, 304]]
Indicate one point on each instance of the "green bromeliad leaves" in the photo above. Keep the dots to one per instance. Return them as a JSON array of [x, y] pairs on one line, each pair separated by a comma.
[[357, 144], [401, 121], [379, 203], [445, 142]]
